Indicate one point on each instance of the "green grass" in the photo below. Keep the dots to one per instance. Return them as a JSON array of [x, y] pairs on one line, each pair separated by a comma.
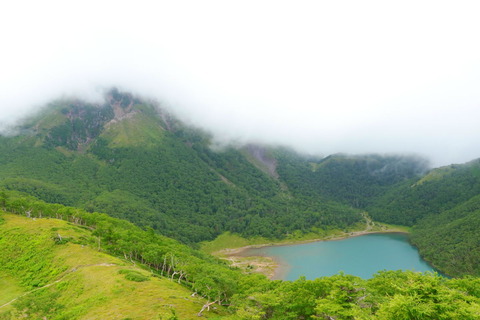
[[228, 240], [10, 289], [140, 130], [382, 227], [79, 282], [134, 275]]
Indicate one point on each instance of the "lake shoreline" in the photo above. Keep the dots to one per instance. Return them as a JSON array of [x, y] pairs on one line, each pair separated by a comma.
[[236, 251], [280, 268]]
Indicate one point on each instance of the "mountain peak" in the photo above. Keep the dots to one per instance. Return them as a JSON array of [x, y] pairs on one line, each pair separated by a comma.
[[74, 123]]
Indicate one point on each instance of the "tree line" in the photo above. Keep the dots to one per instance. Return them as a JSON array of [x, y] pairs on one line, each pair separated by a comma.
[[388, 295]]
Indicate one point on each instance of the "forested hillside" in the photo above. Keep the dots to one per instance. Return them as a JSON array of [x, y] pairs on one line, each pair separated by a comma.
[[54, 269], [64, 263], [439, 190], [443, 206], [451, 239], [354, 180], [133, 160]]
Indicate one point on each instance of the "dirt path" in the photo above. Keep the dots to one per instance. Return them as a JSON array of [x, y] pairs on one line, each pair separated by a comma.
[[74, 269]]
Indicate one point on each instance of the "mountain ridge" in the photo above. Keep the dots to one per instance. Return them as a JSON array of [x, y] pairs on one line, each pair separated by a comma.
[[133, 160]]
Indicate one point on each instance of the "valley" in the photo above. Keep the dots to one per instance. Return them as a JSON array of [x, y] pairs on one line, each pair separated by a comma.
[[239, 251], [362, 256], [95, 195]]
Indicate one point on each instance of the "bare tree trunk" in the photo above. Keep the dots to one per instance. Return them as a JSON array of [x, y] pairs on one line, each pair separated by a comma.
[[164, 265], [180, 277], [206, 306]]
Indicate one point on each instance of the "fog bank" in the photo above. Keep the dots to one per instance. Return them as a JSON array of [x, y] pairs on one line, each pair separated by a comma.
[[321, 77]]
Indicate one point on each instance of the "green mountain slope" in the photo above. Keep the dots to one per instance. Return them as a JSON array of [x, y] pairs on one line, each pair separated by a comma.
[[57, 269], [134, 161], [451, 240], [443, 207], [356, 180], [49, 271], [439, 190]]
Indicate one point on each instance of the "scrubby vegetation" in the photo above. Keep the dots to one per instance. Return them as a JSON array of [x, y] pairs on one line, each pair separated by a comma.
[[32, 257], [133, 162], [136, 162], [78, 279], [54, 289]]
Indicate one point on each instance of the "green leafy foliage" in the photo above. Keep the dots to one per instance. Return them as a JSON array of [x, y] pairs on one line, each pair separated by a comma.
[[451, 239], [443, 206], [388, 295], [410, 202], [31, 262], [206, 275], [134, 162], [92, 285], [353, 180]]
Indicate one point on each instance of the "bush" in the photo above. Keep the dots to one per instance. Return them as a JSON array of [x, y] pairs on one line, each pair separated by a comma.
[[134, 275]]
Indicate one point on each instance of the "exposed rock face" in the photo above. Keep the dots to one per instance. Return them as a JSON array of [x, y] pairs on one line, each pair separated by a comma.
[[83, 123], [264, 161], [167, 119], [121, 104]]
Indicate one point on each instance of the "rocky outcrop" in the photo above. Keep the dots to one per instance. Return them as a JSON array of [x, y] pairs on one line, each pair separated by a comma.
[[263, 160], [121, 104]]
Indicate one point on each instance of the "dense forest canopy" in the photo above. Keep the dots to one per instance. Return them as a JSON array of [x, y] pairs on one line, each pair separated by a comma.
[[30, 263], [133, 160]]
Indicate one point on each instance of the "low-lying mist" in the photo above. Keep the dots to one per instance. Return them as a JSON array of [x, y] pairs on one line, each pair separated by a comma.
[[322, 78]]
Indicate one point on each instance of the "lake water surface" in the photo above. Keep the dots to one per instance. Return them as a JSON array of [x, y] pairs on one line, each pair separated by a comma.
[[361, 256]]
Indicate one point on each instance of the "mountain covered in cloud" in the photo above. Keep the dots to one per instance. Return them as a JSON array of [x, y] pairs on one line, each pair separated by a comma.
[[322, 78], [256, 120], [134, 160]]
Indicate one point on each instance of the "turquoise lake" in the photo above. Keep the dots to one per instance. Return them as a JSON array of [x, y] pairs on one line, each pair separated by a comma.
[[361, 256]]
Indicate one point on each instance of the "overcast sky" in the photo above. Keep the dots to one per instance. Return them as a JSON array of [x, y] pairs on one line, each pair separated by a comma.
[[321, 76]]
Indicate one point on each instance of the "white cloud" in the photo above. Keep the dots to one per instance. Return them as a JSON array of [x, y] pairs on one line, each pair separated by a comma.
[[343, 76]]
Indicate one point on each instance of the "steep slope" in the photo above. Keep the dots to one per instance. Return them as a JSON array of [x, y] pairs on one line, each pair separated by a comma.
[[439, 190], [49, 271], [356, 180], [451, 239], [60, 270], [132, 160], [443, 206]]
